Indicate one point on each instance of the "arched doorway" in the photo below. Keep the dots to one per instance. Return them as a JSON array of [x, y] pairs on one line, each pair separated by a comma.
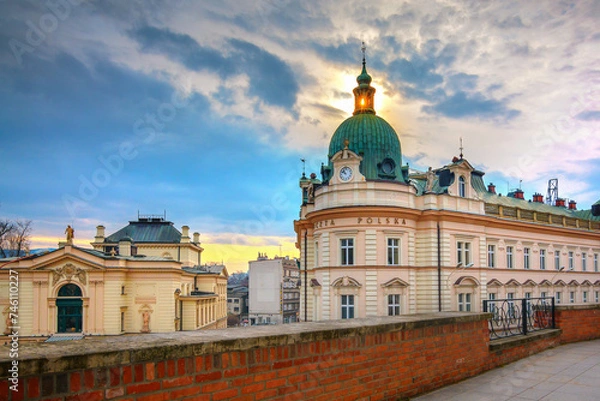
[[70, 308]]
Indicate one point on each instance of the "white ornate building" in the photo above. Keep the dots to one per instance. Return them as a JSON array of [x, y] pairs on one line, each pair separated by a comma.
[[375, 240]]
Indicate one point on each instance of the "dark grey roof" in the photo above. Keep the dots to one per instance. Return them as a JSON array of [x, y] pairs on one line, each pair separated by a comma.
[[147, 230], [205, 269]]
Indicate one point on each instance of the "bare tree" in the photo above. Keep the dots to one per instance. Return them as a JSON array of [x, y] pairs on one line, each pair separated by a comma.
[[14, 237]]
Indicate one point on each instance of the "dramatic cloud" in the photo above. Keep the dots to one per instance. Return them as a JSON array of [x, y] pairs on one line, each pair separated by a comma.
[[205, 109], [270, 78]]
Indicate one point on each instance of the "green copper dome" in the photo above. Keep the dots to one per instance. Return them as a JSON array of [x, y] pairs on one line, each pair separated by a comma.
[[375, 141], [369, 136], [364, 78]]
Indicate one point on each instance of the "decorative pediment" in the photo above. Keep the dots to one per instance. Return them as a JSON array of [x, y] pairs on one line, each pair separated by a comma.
[[468, 281], [346, 154], [346, 281], [494, 283], [573, 283], [586, 283], [545, 283], [597, 283], [68, 272], [395, 282], [314, 283], [512, 283], [87, 259], [529, 283], [560, 283]]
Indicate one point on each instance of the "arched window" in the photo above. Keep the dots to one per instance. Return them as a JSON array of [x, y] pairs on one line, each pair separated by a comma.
[[462, 187], [69, 290]]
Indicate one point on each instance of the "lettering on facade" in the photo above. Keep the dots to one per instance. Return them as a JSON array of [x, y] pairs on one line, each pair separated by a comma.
[[365, 220], [324, 223], [381, 220]]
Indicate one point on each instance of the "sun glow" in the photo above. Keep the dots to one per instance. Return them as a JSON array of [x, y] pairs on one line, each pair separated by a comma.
[[345, 84]]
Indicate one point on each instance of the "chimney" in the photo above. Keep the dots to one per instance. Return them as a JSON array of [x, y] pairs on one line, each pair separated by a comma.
[[196, 238], [492, 188], [99, 234], [560, 202], [519, 194], [185, 234], [538, 197], [572, 205], [125, 246]]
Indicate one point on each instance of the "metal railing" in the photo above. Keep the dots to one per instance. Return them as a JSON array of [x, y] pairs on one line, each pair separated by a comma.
[[513, 317]]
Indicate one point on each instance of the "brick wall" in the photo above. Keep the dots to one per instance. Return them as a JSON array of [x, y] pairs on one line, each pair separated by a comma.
[[375, 359], [578, 323]]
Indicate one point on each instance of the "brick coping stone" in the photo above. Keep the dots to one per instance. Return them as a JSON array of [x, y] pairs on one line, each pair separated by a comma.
[[97, 352]]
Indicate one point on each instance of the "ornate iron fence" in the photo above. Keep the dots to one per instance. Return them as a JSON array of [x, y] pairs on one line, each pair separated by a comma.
[[513, 317]]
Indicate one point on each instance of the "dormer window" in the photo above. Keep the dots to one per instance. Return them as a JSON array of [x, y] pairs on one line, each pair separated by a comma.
[[462, 187]]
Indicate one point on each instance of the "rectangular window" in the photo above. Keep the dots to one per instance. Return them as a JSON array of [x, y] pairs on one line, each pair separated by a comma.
[[543, 296], [557, 260], [597, 296], [572, 297], [347, 306], [512, 311], [526, 258], [571, 262], [583, 261], [463, 253], [464, 302], [542, 259], [491, 256], [492, 305], [394, 305], [122, 321], [557, 297], [467, 253], [528, 295], [316, 254], [509, 257], [585, 297], [595, 262], [347, 245], [393, 251]]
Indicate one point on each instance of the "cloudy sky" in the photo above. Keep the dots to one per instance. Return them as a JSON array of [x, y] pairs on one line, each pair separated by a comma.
[[205, 108]]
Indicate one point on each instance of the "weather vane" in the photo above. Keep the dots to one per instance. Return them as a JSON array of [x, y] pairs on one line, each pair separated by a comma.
[[303, 167], [461, 148]]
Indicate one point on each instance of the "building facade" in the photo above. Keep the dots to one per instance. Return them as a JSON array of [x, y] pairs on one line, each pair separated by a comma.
[[377, 240], [273, 291], [237, 301], [144, 278]]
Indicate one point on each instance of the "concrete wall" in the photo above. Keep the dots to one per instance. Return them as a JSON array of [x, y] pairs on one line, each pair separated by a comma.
[[375, 358]]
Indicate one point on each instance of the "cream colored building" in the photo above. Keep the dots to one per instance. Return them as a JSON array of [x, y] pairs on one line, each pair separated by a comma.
[[376, 240], [146, 277]]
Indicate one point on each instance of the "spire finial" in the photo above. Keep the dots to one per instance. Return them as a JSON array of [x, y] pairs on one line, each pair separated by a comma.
[[461, 148], [363, 49]]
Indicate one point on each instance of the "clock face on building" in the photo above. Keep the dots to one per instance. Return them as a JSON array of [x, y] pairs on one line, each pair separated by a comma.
[[346, 173]]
